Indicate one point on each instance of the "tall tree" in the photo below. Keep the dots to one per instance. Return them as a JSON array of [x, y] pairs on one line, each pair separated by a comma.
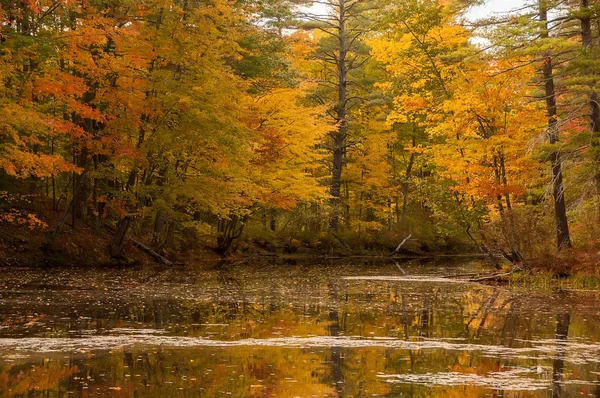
[[341, 52], [563, 239]]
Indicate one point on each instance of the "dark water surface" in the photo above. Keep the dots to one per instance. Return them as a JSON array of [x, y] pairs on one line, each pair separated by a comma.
[[292, 330]]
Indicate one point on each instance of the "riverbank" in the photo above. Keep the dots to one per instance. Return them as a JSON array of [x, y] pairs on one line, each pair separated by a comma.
[[83, 246]]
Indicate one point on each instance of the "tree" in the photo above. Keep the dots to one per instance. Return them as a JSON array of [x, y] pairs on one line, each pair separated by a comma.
[[587, 63], [423, 48], [558, 193], [341, 53]]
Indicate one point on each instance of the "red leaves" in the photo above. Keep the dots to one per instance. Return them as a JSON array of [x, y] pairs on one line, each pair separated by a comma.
[[270, 148], [33, 6]]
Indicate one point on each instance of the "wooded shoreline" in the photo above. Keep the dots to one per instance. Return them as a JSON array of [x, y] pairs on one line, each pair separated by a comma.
[[169, 130]]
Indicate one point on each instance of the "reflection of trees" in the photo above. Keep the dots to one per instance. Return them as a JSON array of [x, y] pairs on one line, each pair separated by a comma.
[[563, 321], [406, 337], [482, 313], [426, 317], [28, 379], [239, 307], [239, 371], [337, 359], [511, 320], [486, 312], [232, 297]]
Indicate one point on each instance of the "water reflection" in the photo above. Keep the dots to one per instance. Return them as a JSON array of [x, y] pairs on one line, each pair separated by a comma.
[[562, 333], [296, 330], [337, 357]]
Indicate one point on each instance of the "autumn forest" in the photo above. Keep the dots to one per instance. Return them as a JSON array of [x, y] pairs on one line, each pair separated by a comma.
[[168, 126]]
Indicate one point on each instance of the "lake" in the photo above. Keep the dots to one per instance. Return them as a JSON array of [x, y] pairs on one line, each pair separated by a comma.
[[302, 328]]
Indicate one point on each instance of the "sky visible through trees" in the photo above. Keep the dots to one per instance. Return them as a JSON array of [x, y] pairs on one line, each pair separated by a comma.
[[493, 7]]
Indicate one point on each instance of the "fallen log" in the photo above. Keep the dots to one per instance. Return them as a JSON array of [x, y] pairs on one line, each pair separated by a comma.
[[157, 257]]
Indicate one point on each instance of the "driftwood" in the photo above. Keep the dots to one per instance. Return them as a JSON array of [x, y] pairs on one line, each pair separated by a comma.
[[400, 245]]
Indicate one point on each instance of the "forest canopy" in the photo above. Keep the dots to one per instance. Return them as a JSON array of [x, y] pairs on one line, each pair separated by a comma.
[[335, 125]]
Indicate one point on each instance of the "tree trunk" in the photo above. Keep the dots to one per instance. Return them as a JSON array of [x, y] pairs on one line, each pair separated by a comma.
[[563, 239], [158, 227], [228, 231], [405, 189], [339, 138], [118, 242], [273, 220], [347, 206], [390, 222], [509, 225], [82, 182], [169, 240]]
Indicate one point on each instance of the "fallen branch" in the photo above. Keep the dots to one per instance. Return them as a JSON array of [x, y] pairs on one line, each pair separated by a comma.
[[400, 245]]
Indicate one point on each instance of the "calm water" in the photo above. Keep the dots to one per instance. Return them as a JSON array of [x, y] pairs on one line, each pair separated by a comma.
[[292, 330]]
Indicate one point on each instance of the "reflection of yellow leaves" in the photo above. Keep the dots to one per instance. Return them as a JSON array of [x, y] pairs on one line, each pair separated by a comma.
[[463, 392], [36, 378]]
